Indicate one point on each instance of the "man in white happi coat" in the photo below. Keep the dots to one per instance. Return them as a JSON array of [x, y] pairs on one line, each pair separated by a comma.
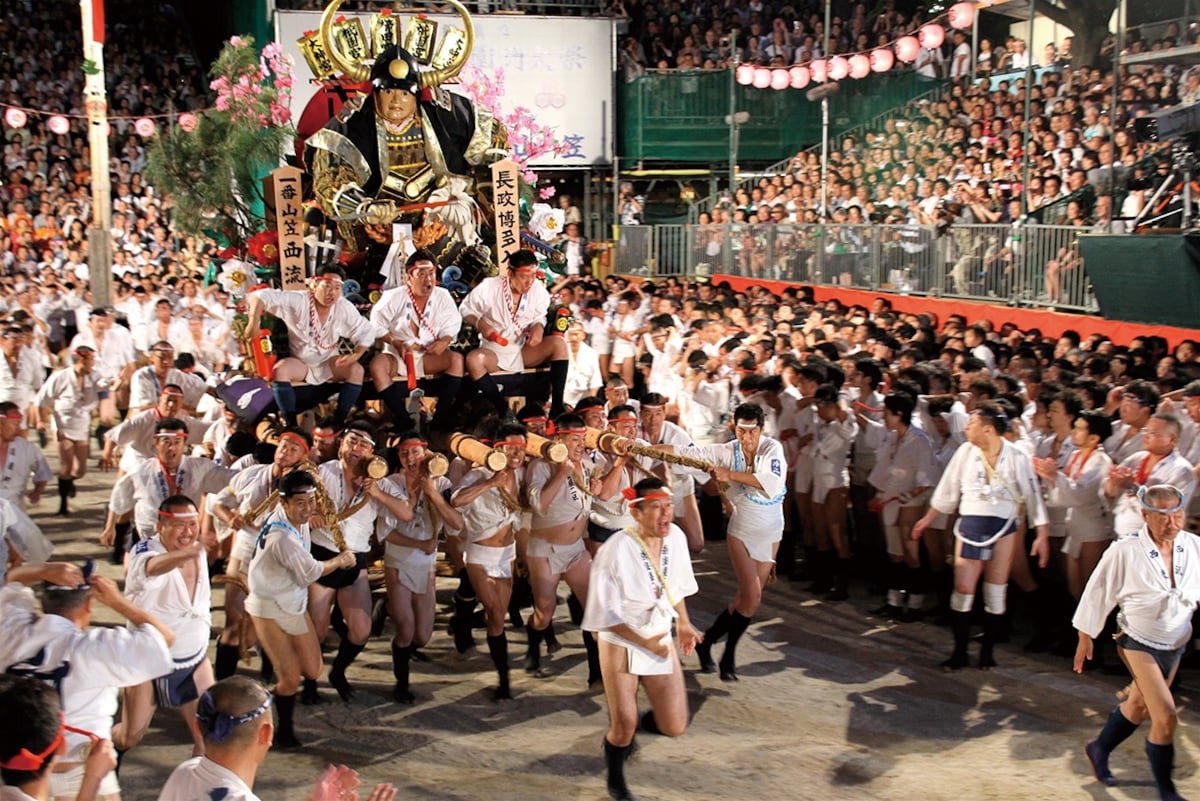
[[148, 382], [169, 473], [235, 506], [115, 359], [168, 577], [509, 312], [1159, 462], [20, 459], [417, 323], [20, 376], [317, 319], [356, 498], [67, 400], [135, 435], [86, 665]]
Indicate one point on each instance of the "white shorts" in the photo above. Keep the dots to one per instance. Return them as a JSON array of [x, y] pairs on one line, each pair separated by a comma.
[[402, 368], [758, 536], [67, 783], [243, 548], [496, 562], [319, 373], [508, 357], [1073, 543], [822, 484], [413, 567], [295, 625], [623, 349], [561, 557]]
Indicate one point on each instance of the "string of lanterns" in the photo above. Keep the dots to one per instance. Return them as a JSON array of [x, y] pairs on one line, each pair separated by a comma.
[[60, 124], [859, 65]]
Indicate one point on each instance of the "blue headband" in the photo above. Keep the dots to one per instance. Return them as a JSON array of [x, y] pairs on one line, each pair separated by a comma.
[[217, 726], [1141, 496]]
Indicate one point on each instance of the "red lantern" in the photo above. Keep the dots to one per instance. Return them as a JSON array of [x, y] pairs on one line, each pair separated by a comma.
[[187, 121], [15, 118], [145, 127], [819, 70], [762, 78], [800, 77], [882, 59], [907, 48], [780, 79], [860, 66], [839, 68], [745, 74], [932, 36], [961, 16]]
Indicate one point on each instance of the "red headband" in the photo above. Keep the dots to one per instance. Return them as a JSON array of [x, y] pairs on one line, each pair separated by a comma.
[[172, 434], [580, 431], [28, 762], [171, 391], [414, 443], [626, 417], [328, 277], [179, 515], [504, 442], [295, 438], [541, 419], [524, 268], [14, 414], [631, 495], [333, 434]]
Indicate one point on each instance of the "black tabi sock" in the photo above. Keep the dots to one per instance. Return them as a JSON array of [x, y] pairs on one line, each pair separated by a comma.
[[227, 661], [347, 399]]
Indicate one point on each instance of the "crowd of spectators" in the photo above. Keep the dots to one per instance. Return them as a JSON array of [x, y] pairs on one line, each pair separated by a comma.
[[45, 195], [954, 159]]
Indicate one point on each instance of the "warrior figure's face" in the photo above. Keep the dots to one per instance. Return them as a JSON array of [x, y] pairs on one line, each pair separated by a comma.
[[395, 105]]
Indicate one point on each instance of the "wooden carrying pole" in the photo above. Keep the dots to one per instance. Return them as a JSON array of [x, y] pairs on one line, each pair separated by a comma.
[[548, 449], [477, 453]]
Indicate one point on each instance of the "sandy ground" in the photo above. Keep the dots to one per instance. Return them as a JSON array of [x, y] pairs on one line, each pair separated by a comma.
[[833, 704]]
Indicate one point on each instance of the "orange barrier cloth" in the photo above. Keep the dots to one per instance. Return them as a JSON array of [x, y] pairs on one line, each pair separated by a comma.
[[1050, 323]]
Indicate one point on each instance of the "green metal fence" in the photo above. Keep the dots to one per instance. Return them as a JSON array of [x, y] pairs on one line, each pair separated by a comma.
[[1029, 265], [680, 115]]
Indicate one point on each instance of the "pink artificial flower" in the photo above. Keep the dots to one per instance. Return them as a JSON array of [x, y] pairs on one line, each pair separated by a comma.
[[530, 177], [546, 192], [222, 103], [236, 41]]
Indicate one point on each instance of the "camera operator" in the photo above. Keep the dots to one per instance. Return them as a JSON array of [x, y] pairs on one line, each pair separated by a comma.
[[631, 206]]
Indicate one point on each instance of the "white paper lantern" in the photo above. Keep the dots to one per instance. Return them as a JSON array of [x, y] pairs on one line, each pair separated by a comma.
[[58, 125], [780, 79], [907, 49], [799, 76], [839, 68], [15, 118], [762, 78], [819, 70], [860, 66], [745, 75], [961, 16], [932, 36], [882, 59], [187, 121], [145, 127]]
